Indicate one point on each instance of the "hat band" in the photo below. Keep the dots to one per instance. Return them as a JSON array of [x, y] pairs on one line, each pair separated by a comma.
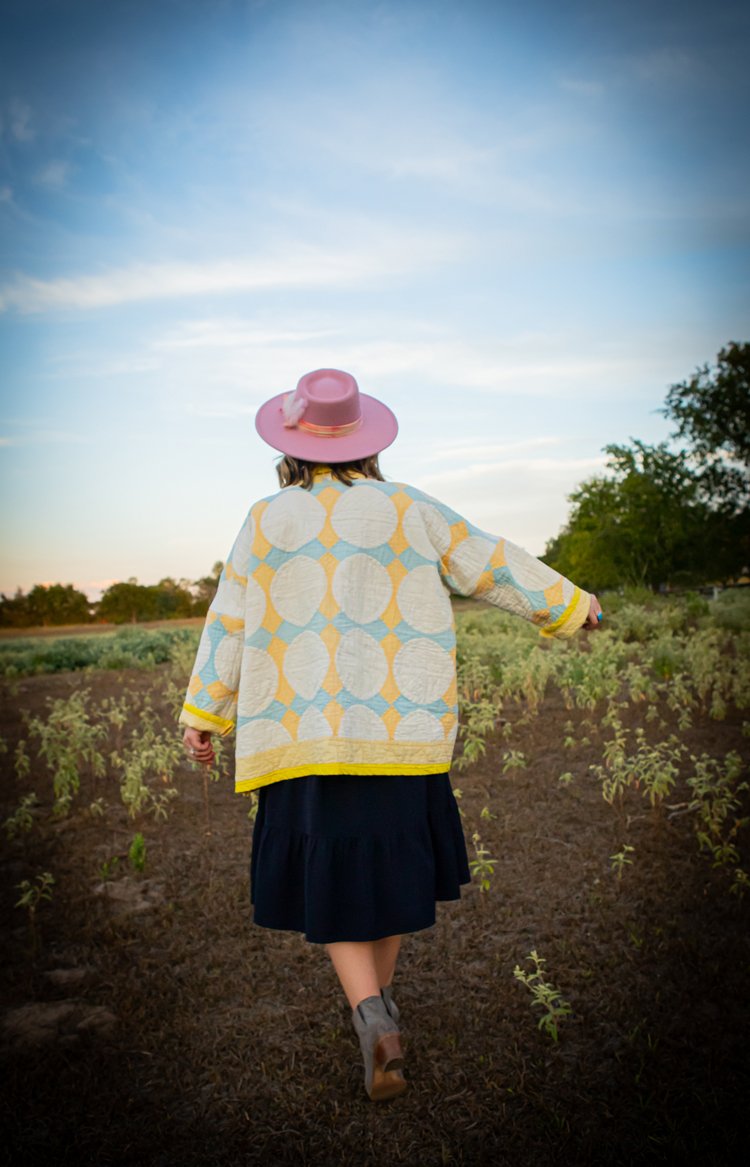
[[330, 431]]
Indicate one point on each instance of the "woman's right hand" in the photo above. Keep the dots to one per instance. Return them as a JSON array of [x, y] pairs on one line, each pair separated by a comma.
[[197, 742]]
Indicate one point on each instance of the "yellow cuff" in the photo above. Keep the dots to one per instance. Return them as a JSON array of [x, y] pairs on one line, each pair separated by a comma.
[[573, 618], [198, 719]]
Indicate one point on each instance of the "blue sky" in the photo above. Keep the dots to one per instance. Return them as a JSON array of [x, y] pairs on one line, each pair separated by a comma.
[[518, 224]]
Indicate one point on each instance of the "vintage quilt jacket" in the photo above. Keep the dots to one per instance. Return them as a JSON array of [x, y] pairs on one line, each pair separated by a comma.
[[330, 644]]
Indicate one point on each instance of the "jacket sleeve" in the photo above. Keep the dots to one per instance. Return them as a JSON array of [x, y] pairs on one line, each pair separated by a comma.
[[474, 563], [211, 699]]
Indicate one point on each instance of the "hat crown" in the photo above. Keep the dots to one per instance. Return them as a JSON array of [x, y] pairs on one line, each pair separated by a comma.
[[330, 396]]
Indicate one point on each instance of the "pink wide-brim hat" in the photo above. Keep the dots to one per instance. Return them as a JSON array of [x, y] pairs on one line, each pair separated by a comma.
[[326, 420]]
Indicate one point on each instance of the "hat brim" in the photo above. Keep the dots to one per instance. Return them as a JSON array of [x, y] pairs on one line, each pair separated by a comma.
[[378, 429]]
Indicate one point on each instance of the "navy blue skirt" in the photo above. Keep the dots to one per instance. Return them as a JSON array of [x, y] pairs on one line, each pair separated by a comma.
[[355, 857]]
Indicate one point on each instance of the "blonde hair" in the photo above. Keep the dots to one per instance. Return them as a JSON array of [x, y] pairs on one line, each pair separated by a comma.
[[296, 472]]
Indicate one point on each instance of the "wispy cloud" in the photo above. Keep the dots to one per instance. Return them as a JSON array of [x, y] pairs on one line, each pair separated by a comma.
[[523, 469], [15, 121], [582, 87], [234, 333], [55, 174], [669, 64], [296, 266]]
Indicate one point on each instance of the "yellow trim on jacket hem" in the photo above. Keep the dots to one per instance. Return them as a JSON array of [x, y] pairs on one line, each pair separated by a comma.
[[574, 616], [198, 719], [246, 785]]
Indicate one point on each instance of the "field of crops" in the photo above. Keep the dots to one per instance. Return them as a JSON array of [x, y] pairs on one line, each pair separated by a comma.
[[585, 1002]]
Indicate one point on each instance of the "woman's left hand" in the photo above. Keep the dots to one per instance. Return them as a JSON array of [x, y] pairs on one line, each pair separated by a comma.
[[595, 615], [197, 742]]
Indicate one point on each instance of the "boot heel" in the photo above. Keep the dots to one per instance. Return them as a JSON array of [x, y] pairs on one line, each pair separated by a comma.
[[388, 1053]]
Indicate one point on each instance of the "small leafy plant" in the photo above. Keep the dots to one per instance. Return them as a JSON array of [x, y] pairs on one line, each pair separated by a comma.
[[543, 995], [137, 853], [22, 819], [32, 894], [620, 860], [483, 867]]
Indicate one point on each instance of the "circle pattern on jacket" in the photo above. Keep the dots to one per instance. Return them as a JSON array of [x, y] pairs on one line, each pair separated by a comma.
[[262, 734], [306, 663], [361, 664], [363, 724], [292, 518], [424, 602], [423, 671], [364, 517], [419, 726], [362, 588], [257, 693], [298, 588]]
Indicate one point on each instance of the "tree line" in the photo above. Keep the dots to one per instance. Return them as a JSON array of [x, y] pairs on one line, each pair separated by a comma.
[[665, 518], [121, 603]]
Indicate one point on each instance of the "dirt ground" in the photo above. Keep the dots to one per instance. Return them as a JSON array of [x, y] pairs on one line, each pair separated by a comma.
[[156, 1025]]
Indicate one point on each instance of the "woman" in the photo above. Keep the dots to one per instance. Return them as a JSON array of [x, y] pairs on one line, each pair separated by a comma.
[[330, 648]]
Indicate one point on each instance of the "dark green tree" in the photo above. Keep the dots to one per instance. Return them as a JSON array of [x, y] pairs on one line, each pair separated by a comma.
[[45, 604], [712, 413], [643, 524], [127, 602]]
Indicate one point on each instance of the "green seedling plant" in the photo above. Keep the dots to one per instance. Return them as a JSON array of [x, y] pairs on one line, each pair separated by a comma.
[[32, 895], [620, 860], [543, 995], [513, 760], [479, 719], [69, 741], [151, 753], [109, 868], [22, 819], [137, 853], [717, 785], [21, 761], [483, 867]]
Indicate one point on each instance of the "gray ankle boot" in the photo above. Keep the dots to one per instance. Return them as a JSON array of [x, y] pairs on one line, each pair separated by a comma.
[[380, 1042], [387, 994]]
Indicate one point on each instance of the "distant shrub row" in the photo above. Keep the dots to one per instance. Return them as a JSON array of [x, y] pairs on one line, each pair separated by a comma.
[[128, 648]]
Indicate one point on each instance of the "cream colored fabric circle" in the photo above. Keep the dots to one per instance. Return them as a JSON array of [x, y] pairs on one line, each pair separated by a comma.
[[423, 601], [364, 517], [362, 588], [313, 725], [261, 735], [306, 663], [528, 572], [255, 606], [229, 598], [423, 671], [227, 660], [297, 589], [361, 664], [260, 680], [427, 530], [363, 724], [469, 560], [568, 591], [292, 519], [419, 726]]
